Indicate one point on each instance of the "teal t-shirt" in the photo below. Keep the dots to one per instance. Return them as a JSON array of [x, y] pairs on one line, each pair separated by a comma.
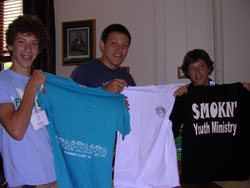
[[82, 130]]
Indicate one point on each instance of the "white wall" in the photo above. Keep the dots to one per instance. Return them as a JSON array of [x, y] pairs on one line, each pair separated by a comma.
[[188, 25], [137, 16], [236, 39], [162, 32]]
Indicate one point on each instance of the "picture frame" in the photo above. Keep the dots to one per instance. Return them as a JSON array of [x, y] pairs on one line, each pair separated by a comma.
[[181, 74], [78, 41], [126, 68]]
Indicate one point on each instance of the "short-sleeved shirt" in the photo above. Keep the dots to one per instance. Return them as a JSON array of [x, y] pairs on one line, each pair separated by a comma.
[[82, 129], [147, 157], [30, 160], [215, 133]]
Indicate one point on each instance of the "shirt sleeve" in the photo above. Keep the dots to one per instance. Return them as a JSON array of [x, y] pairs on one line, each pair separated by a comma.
[[131, 82], [176, 116], [5, 97], [78, 75], [123, 118]]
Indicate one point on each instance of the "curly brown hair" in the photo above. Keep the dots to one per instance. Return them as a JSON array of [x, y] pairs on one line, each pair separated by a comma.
[[27, 24], [195, 55]]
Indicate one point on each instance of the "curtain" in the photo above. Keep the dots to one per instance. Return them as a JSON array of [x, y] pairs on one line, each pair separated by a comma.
[[44, 9]]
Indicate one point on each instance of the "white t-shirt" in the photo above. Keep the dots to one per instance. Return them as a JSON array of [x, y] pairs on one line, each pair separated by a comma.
[[147, 157]]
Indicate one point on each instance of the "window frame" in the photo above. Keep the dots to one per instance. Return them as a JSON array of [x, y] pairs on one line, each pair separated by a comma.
[[4, 54]]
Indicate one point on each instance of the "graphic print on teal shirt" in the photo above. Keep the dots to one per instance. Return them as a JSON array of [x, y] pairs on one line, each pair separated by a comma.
[[82, 129]]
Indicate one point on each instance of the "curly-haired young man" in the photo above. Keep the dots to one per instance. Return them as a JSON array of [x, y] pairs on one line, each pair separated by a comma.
[[25, 148]]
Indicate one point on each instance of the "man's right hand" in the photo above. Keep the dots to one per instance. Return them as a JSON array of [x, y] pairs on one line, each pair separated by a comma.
[[246, 85], [116, 86], [37, 78], [181, 91]]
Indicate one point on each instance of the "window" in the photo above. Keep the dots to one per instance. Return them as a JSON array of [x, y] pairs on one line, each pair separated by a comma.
[[9, 10]]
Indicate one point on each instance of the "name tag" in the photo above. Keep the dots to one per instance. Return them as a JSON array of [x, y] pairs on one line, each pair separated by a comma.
[[39, 120]]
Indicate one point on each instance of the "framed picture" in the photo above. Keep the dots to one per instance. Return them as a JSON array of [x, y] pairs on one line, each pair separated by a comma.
[[126, 68], [181, 74], [78, 41]]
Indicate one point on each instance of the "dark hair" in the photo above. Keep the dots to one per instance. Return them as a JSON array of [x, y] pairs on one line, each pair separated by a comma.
[[193, 56], [27, 24], [115, 28]]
